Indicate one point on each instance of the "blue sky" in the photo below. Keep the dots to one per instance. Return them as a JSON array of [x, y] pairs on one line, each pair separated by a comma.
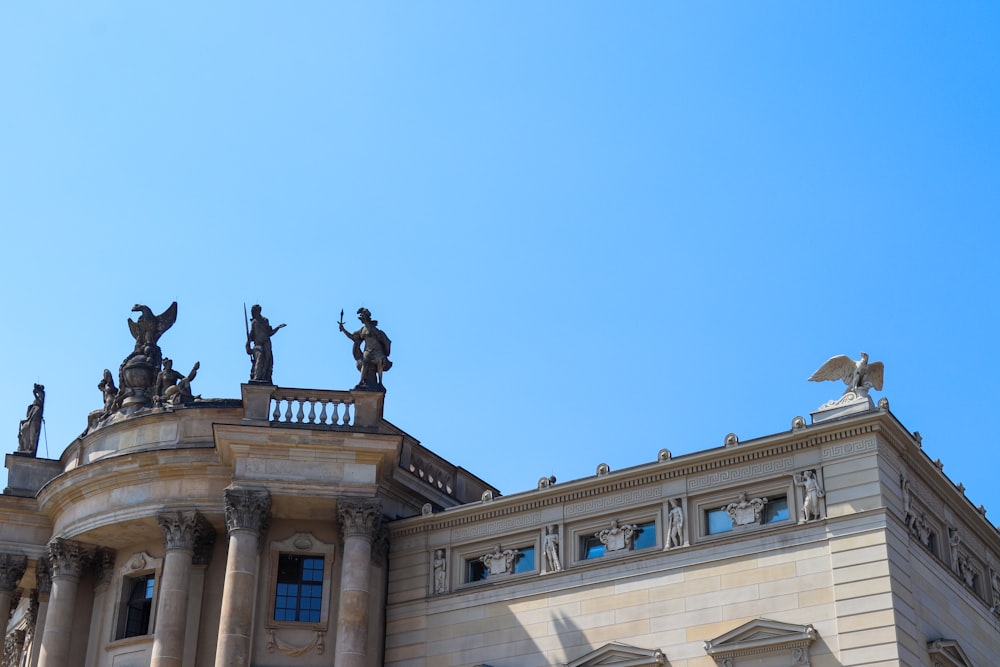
[[591, 230]]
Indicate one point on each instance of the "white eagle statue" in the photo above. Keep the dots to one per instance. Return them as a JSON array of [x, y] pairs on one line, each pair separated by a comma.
[[859, 376]]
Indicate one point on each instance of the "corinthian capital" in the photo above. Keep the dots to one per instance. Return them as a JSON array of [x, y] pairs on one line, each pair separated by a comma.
[[11, 570], [66, 557], [359, 516], [247, 509]]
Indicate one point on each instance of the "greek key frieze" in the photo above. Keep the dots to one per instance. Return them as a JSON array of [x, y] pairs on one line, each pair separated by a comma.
[[848, 448], [503, 525], [609, 502], [761, 469]]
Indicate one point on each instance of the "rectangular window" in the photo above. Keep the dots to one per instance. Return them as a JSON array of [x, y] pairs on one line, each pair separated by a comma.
[[476, 570], [718, 521], [137, 606], [299, 592], [776, 509], [646, 537], [590, 547]]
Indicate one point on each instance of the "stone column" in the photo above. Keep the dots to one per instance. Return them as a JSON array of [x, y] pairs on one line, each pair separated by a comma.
[[102, 565], [360, 519], [66, 560], [11, 570], [247, 515], [181, 530], [38, 611]]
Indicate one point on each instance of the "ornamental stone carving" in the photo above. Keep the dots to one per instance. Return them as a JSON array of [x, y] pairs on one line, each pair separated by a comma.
[[676, 535], [440, 572], [248, 509], [43, 576], [744, 512], [102, 565], [812, 493], [618, 537], [186, 531], [67, 558], [550, 545], [500, 561], [359, 517], [12, 568]]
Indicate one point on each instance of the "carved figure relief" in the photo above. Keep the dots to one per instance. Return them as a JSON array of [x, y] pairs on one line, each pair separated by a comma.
[[500, 561], [440, 572], [745, 512], [618, 537], [922, 529], [966, 571], [907, 494], [550, 545], [676, 535], [954, 539], [812, 493]]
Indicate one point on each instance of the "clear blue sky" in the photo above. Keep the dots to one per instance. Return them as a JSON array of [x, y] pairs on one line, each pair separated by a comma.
[[592, 230]]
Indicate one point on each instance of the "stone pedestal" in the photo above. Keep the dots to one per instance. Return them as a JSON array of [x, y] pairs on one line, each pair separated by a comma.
[[247, 516], [66, 560], [359, 520], [849, 404]]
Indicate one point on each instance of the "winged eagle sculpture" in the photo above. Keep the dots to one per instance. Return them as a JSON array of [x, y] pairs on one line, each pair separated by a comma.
[[150, 327], [859, 376]]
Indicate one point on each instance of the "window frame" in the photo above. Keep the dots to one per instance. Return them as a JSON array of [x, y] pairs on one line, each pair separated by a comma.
[[304, 545], [585, 530], [461, 556], [712, 503], [138, 566]]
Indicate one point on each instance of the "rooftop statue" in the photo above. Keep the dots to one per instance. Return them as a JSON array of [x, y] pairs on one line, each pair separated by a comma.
[[172, 387], [31, 426], [859, 376], [138, 371], [259, 333], [374, 359]]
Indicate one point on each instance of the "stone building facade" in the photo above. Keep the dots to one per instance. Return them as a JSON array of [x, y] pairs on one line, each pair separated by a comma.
[[298, 527]]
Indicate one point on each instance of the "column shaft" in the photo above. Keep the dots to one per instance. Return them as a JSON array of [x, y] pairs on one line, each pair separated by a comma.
[[247, 516], [66, 560], [359, 520]]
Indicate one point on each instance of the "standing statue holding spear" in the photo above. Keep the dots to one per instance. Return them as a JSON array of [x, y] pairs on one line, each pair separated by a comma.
[[258, 346]]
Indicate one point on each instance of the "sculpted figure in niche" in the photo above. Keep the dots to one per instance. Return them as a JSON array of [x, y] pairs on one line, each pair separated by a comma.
[[373, 360], [31, 426], [551, 548], [617, 538], [995, 585], [675, 525], [904, 486], [812, 492], [954, 539], [500, 561], [440, 572], [259, 333], [173, 388], [923, 530]]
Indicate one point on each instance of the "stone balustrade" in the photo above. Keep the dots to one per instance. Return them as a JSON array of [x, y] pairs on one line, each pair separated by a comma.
[[312, 406]]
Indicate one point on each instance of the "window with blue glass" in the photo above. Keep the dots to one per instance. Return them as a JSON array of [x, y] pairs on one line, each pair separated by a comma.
[[524, 561], [299, 591], [645, 536], [776, 509]]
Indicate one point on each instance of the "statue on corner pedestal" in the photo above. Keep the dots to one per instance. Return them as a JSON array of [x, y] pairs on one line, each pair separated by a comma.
[[31, 426], [259, 333], [374, 359], [859, 376]]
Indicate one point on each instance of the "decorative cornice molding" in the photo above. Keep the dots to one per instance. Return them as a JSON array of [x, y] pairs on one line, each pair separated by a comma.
[[248, 509]]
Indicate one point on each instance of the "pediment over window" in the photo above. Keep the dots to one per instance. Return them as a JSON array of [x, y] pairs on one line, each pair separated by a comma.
[[762, 636], [617, 654], [947, 653]]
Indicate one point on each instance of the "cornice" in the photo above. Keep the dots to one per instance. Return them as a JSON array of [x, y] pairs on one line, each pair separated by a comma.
[[648, 473]]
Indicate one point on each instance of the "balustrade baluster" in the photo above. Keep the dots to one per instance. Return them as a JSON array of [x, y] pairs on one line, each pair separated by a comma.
[[288, 411], [322, 411], [312, 411], [347, 413], [276, 416], [300, 415]]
